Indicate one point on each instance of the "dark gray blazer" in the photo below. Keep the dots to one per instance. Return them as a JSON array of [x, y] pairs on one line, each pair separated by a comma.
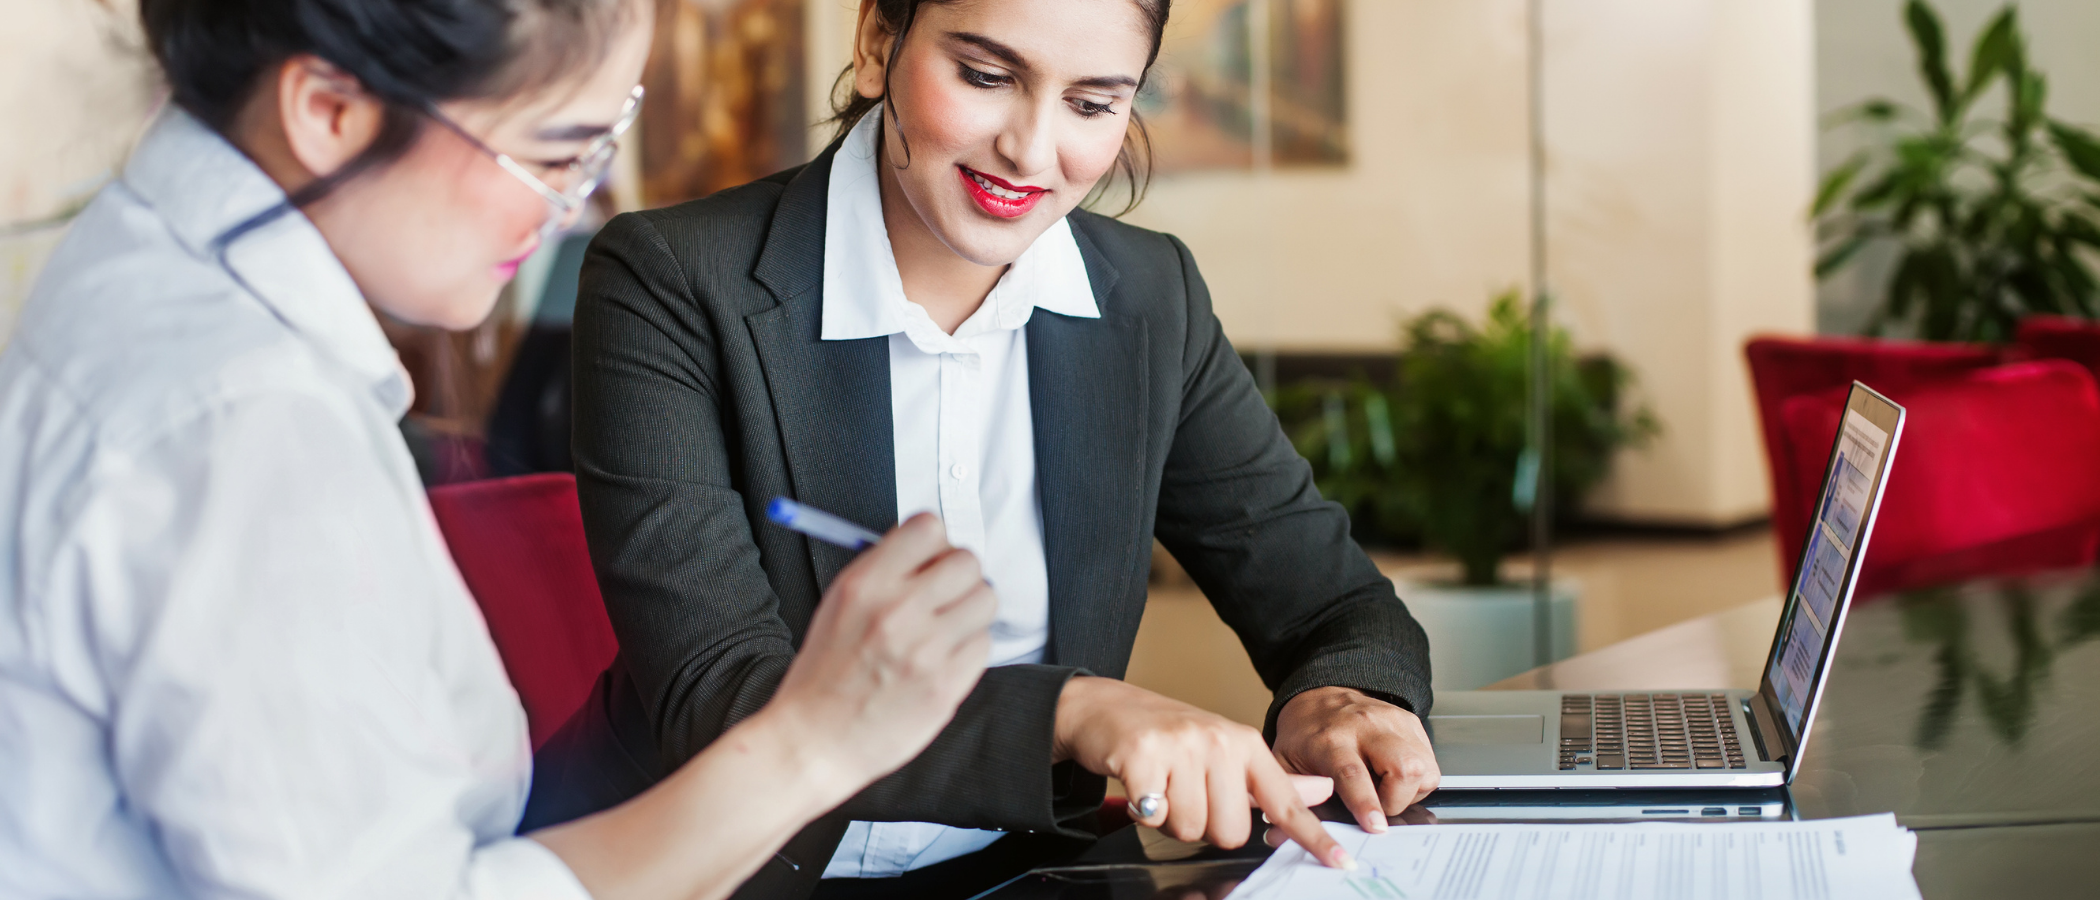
[[702, 392]]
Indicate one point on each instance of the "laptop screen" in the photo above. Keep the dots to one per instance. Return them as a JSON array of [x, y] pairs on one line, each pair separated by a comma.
[[1834, 539]]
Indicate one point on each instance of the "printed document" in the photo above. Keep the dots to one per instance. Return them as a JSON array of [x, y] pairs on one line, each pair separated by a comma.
[[1862, 858]]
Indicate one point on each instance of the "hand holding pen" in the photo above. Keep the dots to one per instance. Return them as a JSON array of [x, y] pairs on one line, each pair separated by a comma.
[[899, 639], [822, 525]]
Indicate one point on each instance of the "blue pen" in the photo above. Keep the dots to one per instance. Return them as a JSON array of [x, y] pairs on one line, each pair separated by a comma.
[[820, 524]]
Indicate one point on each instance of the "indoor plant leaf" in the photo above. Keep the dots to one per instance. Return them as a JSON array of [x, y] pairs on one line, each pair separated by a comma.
[[1997, 50], [1931, 41], [1841, 254], [1834, 184], [2031, 91], [2079, 147]]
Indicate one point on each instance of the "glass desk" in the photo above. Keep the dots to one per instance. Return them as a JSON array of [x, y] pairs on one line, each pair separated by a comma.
[[1966, 703]]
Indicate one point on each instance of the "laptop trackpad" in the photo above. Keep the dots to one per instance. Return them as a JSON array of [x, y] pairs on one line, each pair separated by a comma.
[[1447, 731]]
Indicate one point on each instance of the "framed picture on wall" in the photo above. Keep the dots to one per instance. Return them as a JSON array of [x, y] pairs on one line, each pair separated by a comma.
[[1308, 99], [1200, 106], [726, 104]]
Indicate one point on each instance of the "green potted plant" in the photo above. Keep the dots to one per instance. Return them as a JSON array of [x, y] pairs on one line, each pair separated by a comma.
[[1434, 457], [1991, 219]]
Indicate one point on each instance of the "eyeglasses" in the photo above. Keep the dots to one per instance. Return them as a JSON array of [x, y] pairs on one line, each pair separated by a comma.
[[575, 179]]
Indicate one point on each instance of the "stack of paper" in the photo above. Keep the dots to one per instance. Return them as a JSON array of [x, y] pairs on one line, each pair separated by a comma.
[[1833, 859]]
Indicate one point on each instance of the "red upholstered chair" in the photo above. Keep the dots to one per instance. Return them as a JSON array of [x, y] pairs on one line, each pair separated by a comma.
[[2057, 549], [519, 544], [1985, 458], [1782, 368], [2060, 337]]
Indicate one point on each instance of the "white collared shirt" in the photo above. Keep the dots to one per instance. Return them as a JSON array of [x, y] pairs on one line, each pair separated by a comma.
[[235, 657], [965, 436]]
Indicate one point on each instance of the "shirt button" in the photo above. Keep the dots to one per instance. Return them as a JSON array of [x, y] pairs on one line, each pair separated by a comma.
[[960, 471]]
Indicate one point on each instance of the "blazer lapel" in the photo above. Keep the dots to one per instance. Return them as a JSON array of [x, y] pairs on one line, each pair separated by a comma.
[[1086, 384], [831, 399]]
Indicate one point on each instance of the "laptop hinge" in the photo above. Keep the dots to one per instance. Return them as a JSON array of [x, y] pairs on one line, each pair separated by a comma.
[[1761, 724]]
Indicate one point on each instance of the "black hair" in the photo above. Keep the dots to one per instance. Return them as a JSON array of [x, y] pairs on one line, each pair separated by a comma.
[[410, 54], [1133, 162]]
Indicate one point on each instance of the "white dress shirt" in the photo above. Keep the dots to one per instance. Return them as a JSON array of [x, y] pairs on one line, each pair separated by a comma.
[[235, 657], [964, 431]]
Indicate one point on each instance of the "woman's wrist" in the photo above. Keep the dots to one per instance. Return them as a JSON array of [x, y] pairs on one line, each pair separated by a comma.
[[814, 770], [1075, 708]]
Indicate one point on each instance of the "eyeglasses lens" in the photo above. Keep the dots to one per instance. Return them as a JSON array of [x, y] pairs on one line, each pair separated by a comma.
[[574, 183]]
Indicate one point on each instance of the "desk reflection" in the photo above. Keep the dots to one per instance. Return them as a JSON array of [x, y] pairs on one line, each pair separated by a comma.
[[1139, 863], [2020, 611], [1972, 704]]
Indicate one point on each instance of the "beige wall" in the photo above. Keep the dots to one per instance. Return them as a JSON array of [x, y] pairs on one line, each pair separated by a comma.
[[1763, 125], [1431, 211], [75, 89], [1681, 144]]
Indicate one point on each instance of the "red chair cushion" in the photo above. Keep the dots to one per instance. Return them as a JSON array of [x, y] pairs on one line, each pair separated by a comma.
[[2060, 337], [2058, 549], [519, 544], [1783, 368], [1985, 458]]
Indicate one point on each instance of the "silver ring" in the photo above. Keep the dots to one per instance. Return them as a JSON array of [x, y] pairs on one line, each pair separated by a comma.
[[1146, 806]]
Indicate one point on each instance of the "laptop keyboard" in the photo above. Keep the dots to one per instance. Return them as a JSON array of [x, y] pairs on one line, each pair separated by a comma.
[[1649, 731]]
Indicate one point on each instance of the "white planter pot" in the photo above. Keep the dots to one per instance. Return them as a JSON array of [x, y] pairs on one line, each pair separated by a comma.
[[1481, 635]]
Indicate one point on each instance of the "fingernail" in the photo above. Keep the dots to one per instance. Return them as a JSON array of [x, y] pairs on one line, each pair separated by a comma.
[[1341, 859], [1375, 826]]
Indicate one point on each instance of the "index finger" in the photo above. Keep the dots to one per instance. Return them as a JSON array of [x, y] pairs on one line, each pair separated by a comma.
[[1279, 802], [907, 548]]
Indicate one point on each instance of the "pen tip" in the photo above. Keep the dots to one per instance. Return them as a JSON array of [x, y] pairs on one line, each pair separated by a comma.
[[777, 509]]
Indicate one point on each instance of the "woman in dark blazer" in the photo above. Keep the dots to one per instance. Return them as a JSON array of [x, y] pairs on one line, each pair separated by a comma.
[[712, 375]]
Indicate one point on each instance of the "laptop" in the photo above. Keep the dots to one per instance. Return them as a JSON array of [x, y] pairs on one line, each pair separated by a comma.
[[1525, 740]]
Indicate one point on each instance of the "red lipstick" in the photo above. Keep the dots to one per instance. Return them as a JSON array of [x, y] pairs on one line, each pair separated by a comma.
[[998, 196]]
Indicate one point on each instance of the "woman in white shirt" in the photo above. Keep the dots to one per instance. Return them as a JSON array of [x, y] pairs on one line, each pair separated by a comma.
[[235, 658]]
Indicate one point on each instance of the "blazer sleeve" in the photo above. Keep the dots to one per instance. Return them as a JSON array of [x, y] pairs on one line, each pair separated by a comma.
[[1239, 510], [699, 623]]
